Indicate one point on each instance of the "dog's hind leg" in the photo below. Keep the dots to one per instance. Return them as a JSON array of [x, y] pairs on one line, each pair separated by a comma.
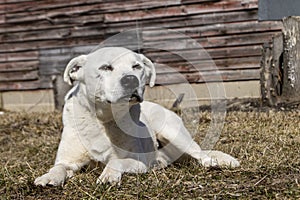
[[174, 134], [178, 136]]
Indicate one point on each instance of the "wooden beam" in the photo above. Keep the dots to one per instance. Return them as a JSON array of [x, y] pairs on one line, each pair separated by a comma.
[[291, 59], [42, 83], [19, 76], [210, 76], [19, 66]]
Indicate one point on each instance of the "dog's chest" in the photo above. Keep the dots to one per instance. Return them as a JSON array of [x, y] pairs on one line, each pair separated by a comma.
[[130, 138]]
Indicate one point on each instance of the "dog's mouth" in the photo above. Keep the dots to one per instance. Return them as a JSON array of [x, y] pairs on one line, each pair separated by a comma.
[[135, 97], [131, 98]]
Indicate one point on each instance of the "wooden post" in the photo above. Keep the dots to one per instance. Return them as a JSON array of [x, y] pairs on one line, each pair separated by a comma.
[[280, 63], [291, 59], [271, 74], [265, 80]]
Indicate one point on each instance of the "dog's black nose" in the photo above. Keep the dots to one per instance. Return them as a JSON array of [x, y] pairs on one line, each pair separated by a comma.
[[130, 82]]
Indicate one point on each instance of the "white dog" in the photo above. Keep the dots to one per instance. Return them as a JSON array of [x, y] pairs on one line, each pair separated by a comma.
[[105, 119]]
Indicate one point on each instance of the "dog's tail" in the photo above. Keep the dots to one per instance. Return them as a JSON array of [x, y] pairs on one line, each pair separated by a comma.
[[223, 159], [176, 105]]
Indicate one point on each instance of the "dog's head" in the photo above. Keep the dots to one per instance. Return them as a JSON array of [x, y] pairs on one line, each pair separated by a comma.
[[112, 74]]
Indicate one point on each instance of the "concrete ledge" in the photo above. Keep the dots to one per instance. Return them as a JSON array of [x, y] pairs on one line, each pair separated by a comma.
[[202, 94], [195, 95], [28, 101]]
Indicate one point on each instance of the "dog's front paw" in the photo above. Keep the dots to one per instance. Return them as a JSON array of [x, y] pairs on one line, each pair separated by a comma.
[[49, 179], [109, 175], [230, 162], [209, 162], [55, 177]]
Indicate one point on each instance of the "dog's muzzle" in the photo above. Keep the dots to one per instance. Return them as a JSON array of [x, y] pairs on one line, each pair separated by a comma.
[[130, 84]]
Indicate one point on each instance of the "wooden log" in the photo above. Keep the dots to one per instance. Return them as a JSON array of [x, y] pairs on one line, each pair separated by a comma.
[[196, 54], [280, 77], [8, 48], [64, 21], [276, 69], [114, 10], [265, 75], [219, 6], [210, 76], [116, 6], [89, 31], [19, 56], [210, 65], [227, 29], [215, 41], [42, 83], [291, 59], [272, 71], [19, 66], [95, 21], [19, 76], [47, 41], [216, 29]]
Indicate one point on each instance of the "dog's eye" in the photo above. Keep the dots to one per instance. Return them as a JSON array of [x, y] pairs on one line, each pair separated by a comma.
[[106, 68], [137, 66]]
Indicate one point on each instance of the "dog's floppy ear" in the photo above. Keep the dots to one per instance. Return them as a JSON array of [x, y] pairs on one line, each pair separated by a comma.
[[74, 71], [150, 69]]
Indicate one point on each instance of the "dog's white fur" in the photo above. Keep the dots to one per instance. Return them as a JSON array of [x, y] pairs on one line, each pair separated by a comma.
[[103, 121]]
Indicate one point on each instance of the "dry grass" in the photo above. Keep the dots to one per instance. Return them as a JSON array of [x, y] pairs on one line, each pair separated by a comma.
[[266, 143]]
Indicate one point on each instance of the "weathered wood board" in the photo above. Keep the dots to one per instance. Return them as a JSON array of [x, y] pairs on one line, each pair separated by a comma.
[[38, 38]]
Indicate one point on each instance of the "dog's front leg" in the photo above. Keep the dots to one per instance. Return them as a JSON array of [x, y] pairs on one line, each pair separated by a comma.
[[55, 177], [114, 169], [71, 156]]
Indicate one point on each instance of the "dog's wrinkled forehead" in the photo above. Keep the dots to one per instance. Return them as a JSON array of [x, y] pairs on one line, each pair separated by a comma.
[[113, 57], [113, 60]]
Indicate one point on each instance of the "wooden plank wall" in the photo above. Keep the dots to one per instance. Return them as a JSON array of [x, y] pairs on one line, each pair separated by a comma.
[[37, 38]]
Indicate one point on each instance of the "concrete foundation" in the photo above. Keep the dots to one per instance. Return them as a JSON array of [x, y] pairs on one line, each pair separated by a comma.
[[28, 101], [195, 95], [203, 94]]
